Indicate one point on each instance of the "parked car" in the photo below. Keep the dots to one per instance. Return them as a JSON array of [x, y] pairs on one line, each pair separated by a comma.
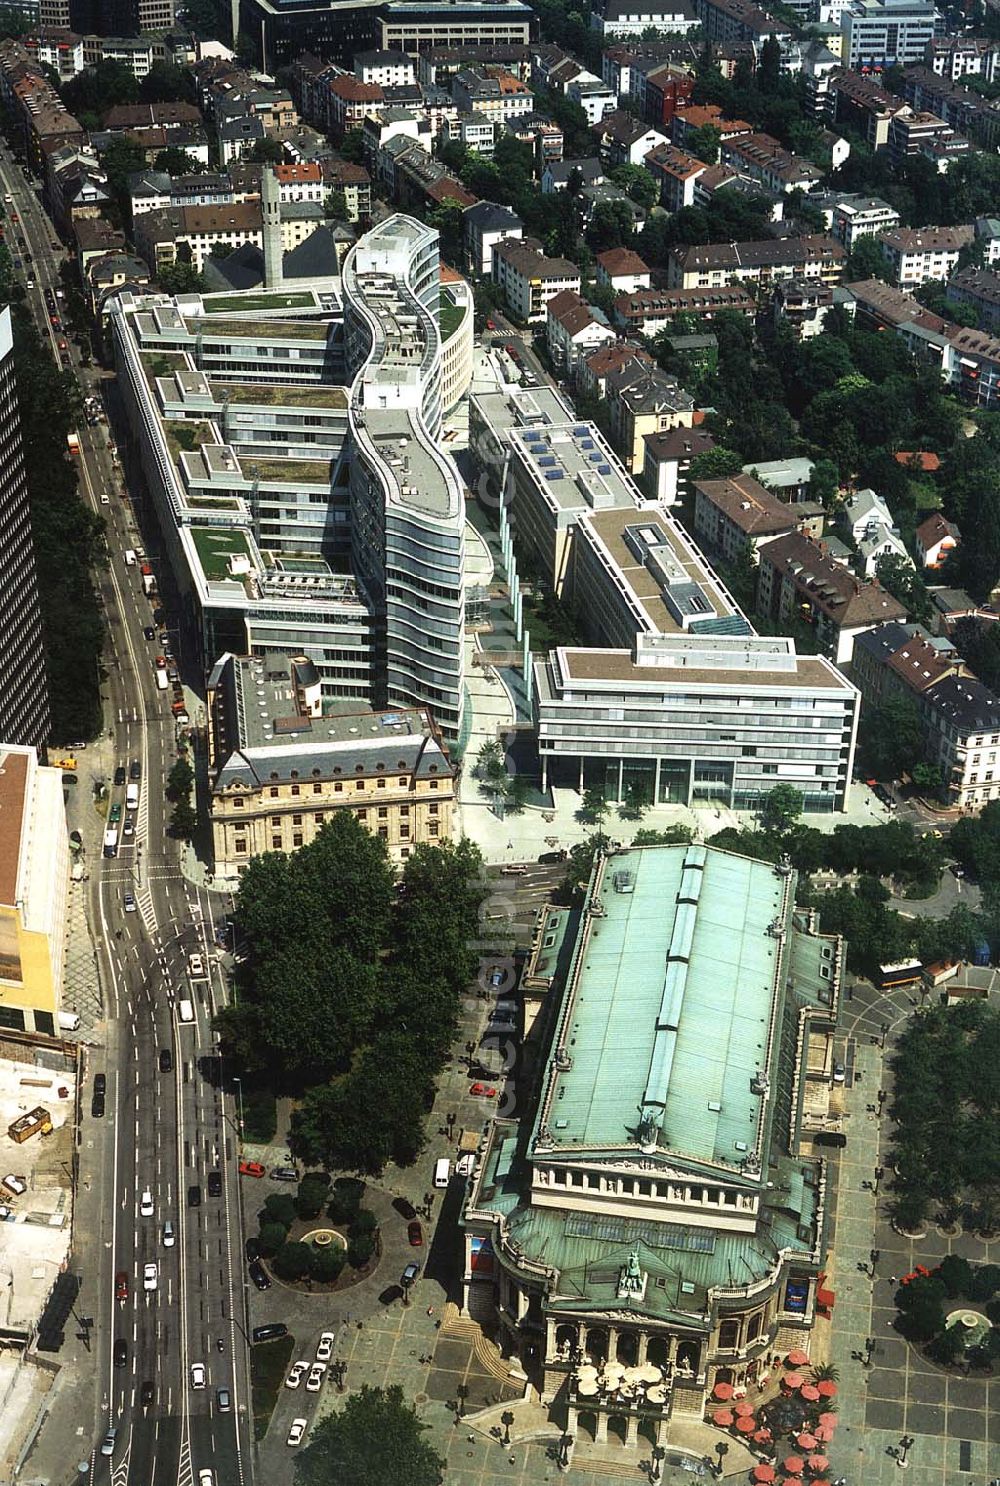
[[296, 1432], [297, 1373], [252, 1248], [409, 1275], [415, 1234], [252, 1168], [314, 1382], [270, 1332], [259, 1275], [108, 1444], [324, 1347], [15, 1184], [284, 1174]]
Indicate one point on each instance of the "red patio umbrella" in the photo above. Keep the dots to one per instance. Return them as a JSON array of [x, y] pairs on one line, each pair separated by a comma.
[[794, 1465], [824, 1434], [746, 1424], [743, 1407], [806, 1441], [829, 1421], [723, 1418], [827, 1388], [723, 1391], [818, 1463], [797, 1358], [821, 1483], [792, 1380], [763, 1472], [809, 1392], [762, 1436]]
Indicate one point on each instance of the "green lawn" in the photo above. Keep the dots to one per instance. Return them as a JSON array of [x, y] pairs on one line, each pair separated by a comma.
[[230, 302], [450, 317], [268, 1368], [215, 545]]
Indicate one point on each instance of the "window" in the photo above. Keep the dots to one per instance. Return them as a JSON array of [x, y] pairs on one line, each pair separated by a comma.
[[383, 833], [362, 814], [296, 820], [275, 843], [338, 788], [401, 783], [432, 809], [434, 784], [383, 812], [432, 828], [238, 802], [359, 784], [241, 847], [317, 789], [276, 820], [297, 838], [274, 794], [381, 784]]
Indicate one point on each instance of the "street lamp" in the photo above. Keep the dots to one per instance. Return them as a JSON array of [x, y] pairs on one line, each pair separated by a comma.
[[722, 1450], [506, 1419], [905, 1445], [658, 1454]]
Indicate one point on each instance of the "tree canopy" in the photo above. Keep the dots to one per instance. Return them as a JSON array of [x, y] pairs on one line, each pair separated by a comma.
[[377, 1439]]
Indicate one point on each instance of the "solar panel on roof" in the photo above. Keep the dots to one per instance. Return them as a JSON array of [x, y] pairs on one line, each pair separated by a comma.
[[587, 444], [546, 461], [554, 474], [594, 458], [581, 433], [531, 435], [604, 469]]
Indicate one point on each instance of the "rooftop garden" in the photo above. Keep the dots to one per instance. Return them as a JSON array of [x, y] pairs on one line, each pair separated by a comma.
[[215, 545], [267, 394], [287, 471], [184, 437], [267, 330], [234, 303], [451, 316]]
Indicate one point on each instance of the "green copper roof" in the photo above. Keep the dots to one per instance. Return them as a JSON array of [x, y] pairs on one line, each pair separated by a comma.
[[668, 1012]]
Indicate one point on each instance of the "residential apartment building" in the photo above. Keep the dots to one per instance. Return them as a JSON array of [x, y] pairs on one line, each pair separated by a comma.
[[862, 104], [676, 172], [734, 517], [667, 462], [483, 226], [624, 139], [886, 33], [649, 310], [34, 891], [528, 279], [568, 1249], [959, 715], [955, 57], [802, 307], [862, 216], [764, 159], [979, 290], [763, 262], [915, 255], [497, 94], [388, 69], [573, 328], [279, 769], [797, 579], [643, 400], [24, 699], [729, 21], [621, 271], [936, 539]]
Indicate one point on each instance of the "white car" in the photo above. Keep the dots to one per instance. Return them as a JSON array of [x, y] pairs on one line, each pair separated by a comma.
[[146, 1204], [324, 1348], [197, 1375], [296, 1432], [205, 1478], [108, 1443], [196, 966], [15, 1184], [149, 1275], [130, 905], [169, 1237], [295, 1376], [314, 1382]]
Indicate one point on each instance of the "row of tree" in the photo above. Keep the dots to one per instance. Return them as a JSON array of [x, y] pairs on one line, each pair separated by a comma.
[[349, 996]]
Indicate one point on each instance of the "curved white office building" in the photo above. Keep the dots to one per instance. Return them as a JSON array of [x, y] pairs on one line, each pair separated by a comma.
[[408, 507]]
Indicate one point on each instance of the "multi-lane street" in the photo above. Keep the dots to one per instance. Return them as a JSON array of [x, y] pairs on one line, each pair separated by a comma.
[[166, 1150]]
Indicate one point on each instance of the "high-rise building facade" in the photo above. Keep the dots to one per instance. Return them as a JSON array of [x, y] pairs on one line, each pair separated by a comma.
[[24, 700]]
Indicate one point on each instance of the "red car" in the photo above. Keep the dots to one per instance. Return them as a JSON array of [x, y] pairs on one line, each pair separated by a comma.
[[485, 1091], [491, 325], [415, 1234], [251, 1168], [121, 1287]]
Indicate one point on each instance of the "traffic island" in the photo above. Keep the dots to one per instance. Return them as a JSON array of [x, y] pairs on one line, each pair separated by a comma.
[[952, 1313]]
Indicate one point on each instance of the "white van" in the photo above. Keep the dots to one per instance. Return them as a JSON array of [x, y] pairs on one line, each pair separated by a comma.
[[185, 1011], [129, 557], [442, 1172], [69, 1021]]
